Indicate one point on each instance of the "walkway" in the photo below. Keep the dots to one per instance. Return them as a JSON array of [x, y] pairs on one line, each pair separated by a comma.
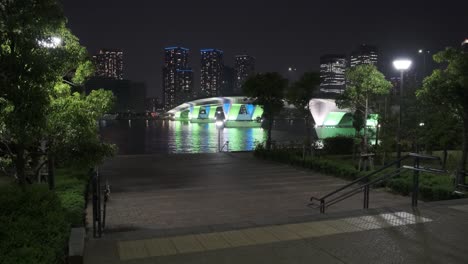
[[232, 208], [183, 191]]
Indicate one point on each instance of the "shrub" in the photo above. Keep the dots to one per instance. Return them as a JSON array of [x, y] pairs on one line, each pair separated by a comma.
[[339, 145], [400, 185], [71, 188], [432, 187], [33, 226]]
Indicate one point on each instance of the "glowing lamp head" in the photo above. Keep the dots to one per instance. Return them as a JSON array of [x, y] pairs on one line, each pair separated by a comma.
[[219, 124], [420, 51], [402, 65], [51, 43]]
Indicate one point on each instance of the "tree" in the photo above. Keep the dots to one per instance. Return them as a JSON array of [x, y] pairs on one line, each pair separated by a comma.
[[37, 52], [300, 93], [28, 70], [363, 83], [447, 88], [267, 90], [72, 134], [439, 130]]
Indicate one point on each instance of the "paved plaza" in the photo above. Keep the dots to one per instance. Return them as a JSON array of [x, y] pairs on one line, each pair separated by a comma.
[[233, 208], [184, 191]]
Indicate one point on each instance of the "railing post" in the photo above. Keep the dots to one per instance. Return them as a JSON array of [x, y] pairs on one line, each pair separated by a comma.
[[97, 217], [93, 189], [414, 199], [322, 206], [366, 197], [98, 187]]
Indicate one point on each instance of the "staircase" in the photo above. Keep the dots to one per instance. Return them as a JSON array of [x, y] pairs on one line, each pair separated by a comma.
[[363, 184]]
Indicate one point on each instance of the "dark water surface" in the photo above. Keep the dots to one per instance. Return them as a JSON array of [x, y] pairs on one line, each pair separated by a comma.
[[163, 136]]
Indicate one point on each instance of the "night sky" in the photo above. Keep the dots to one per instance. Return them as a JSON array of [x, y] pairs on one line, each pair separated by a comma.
[[278, 33]]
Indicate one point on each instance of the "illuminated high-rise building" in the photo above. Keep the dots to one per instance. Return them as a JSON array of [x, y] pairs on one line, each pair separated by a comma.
[[332, 73], [245, 67], [211, 72], [184, 86], [175, 67], [229, 81], [109, 64], [364, 54]]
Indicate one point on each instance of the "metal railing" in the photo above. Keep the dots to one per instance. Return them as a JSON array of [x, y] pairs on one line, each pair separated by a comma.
[[100, 195], [364, 183], [226, 145], [461, 186]]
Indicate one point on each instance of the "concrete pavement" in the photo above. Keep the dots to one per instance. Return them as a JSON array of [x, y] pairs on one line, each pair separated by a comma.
[[232, 208], [184, 191], [434, 233]]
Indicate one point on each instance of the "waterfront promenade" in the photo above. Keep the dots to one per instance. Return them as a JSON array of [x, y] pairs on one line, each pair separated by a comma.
[[233, 208]]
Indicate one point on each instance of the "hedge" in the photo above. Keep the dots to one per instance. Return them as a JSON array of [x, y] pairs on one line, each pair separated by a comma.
[[432, 187], [71, 189], [336, 168], [35, 222], [33, 226], [338, 145]]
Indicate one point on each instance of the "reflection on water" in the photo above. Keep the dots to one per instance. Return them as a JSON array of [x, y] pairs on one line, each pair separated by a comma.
[[161, 136]]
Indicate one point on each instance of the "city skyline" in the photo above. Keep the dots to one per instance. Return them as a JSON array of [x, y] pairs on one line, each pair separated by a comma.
[[278, 35]]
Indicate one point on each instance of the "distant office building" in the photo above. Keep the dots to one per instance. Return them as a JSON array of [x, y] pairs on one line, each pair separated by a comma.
[[229, 81], [465, 45], [152, 104], [292, 74], [396, 81], [332, 73], [364, 54], [184, 86], [411, 82], [211, 72], [130, 96], [137, 97], [175, 59], [109, 64], [245, 67]]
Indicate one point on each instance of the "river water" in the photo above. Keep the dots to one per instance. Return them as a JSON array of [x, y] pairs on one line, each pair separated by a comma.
[[162, 136]]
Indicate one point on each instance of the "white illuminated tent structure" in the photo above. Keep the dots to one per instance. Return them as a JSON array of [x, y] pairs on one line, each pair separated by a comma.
[[331, 121]]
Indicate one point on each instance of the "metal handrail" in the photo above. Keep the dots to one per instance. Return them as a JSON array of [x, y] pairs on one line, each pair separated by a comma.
[[359, 189], [366, 187], [226, 144], [359, 179]]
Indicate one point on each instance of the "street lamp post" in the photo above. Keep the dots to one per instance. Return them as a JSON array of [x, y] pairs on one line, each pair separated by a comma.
[[401, 65], [219, 126], [50, 43], [377, 135]]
